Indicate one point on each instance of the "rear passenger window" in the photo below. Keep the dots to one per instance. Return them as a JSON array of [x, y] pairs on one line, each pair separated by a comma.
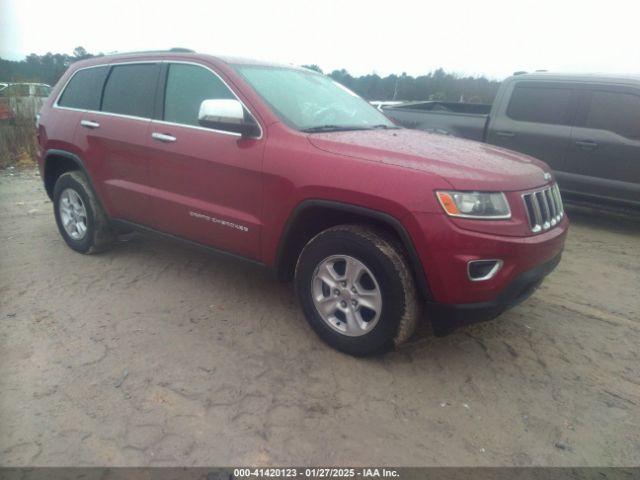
[[84, 89], [539, 104], [130, 90], [187, 87], [616, 112]]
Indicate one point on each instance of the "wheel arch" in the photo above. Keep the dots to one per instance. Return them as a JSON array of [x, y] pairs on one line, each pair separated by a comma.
[[312, 216], [55, 163]]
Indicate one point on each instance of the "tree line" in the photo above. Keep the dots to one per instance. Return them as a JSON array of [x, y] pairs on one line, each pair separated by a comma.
[[46, 68], [436, 85]]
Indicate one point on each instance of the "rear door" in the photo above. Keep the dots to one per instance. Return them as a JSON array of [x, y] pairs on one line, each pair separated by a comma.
[[536, 120], [114, 136], [604, 154], [206, 184]]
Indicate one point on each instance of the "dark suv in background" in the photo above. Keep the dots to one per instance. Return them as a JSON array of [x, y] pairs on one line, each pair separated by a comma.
[[586, 127]]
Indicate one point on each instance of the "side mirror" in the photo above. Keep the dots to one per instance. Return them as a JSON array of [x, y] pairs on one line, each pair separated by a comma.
[[228, 115]]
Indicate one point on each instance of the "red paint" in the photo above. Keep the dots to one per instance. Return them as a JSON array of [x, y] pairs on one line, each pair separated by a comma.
[[249, 187]]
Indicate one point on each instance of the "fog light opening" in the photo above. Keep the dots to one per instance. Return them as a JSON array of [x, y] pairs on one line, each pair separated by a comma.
[[480, 270]]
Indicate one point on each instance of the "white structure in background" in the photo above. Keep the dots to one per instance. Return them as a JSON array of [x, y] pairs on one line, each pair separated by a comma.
[[22, 99], [385, 103]]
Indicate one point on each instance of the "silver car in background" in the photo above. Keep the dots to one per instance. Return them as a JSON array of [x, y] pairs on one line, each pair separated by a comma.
[[22, 99]]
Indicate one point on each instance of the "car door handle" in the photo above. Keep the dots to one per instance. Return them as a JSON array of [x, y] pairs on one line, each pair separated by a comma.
[[505, 134], [587, 144], [89, 124], [163, 137]]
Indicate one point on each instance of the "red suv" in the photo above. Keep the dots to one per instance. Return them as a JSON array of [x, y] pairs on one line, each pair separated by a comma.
[[287, 168]]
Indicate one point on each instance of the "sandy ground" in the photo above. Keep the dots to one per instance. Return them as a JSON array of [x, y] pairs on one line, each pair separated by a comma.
[[155, 354]]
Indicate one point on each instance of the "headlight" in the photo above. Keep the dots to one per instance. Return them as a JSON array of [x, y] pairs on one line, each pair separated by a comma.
[[480, 205]]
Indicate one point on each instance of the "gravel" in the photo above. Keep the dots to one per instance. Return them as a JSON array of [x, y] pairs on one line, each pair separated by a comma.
[[157, 354]]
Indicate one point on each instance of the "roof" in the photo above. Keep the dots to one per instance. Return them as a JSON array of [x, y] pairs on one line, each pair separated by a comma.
[[182, 52], [251, 61], [579, 77]]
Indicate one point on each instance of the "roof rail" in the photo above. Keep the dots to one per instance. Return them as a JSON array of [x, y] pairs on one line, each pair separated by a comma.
[[170, 50], [520, 72]]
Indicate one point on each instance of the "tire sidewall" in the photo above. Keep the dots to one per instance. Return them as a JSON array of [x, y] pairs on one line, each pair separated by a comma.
[[343, 242], [68, 181]]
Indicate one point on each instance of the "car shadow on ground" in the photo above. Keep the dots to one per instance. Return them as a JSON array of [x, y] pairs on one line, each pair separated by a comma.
[[259, 284], [253, 283]]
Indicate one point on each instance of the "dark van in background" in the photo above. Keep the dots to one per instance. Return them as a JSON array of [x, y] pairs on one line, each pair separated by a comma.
[[586, 127]]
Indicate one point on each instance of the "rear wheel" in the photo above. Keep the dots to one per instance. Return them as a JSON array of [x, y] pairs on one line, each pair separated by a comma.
[[80, 218], [356, 290]]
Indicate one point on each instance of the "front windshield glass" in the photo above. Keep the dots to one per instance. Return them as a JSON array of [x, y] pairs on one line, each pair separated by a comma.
[[309, 101]]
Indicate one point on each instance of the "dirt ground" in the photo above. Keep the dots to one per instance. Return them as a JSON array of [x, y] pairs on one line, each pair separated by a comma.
[[156, 354]]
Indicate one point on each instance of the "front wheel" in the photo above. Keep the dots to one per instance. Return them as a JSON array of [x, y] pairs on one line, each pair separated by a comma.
[[356, 290]]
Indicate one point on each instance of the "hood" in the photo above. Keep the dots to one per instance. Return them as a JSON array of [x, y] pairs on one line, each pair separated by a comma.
[[465, 164]]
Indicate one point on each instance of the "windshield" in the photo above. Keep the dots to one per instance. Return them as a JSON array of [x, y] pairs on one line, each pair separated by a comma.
[[309, 101]]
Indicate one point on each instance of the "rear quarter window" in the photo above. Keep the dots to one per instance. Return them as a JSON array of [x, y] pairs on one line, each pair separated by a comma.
[[84, 89], [540, 104], [130, 90]]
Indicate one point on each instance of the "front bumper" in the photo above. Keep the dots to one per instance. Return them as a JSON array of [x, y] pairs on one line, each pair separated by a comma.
[[445, 318], [445, 250]]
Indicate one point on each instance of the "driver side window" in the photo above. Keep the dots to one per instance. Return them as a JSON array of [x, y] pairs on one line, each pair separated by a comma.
[[187, 86]]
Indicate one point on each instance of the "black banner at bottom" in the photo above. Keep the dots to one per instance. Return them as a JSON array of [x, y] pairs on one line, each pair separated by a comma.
[[364, 473]]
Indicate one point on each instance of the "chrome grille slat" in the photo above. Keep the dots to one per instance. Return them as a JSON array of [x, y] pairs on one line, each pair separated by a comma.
[[536, 211], [546, 213], [552, 205], [556, 191], [544, 208]]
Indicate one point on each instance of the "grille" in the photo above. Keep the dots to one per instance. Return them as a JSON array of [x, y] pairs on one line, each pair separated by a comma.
[[544, 208]]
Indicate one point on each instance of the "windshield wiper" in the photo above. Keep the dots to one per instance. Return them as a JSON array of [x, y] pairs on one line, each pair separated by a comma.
[[346, 128], [333, 128]]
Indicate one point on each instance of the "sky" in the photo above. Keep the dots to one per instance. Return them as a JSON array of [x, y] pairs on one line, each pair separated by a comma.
[[476, 37]]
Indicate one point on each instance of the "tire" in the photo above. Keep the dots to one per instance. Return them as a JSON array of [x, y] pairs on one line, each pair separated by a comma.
[[385, 284], [73, 191]]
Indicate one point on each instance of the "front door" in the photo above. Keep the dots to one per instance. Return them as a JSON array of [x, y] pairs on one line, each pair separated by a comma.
[[207, 184]]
